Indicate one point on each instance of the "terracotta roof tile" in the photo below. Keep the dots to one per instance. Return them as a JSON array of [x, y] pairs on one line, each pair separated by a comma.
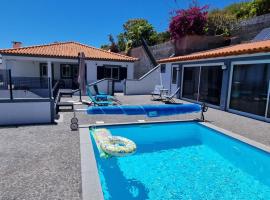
[[246, 48], [67, 50]]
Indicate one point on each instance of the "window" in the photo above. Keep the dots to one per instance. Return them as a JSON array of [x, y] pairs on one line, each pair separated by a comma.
[[43, 70], [163, 68], [66, 71], [249, 88], [112, 72], [174, 75]]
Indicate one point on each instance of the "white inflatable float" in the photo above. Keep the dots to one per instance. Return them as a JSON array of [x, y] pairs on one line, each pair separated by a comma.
[[109, 145]]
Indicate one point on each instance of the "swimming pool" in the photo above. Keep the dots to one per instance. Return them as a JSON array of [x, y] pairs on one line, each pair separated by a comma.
[[183, 160]]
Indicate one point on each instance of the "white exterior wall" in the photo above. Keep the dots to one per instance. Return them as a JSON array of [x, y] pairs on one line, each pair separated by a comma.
[[144, 85], [23, 68], [25, 113], [29, 67], [92, 71], [166, 77]]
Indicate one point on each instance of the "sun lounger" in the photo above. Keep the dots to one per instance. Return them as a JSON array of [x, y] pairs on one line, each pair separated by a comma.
[[157, 94], [169, 98], [95, 101], [101, 96]]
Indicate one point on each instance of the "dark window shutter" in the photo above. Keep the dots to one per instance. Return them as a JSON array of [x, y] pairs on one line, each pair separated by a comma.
[[100, 73], [123, 73], [163, 68]]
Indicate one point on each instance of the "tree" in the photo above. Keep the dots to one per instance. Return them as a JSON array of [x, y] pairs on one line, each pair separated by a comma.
[[105, 47], [163, 37], [121, 42], [135, 29], [259, 7], [244, 10], [191, 21], [113, 46]]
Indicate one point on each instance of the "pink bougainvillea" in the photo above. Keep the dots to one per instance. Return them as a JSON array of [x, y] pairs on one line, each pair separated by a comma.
[[188, 22]]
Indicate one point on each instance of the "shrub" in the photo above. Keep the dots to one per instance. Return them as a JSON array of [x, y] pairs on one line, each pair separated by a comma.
[[220, 23], [188, 22]]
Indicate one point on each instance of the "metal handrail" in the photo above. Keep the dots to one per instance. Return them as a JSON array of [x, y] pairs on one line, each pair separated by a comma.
[[55, 89], [101, 80], [145, 75]]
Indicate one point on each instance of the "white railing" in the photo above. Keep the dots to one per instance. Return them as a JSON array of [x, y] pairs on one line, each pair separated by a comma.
[[145, 84]]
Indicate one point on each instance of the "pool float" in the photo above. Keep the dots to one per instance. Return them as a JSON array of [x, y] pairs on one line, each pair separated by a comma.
[[100, 135], [118, 146]]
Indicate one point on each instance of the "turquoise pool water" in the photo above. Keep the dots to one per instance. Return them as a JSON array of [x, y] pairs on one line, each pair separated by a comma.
[[184, 160]]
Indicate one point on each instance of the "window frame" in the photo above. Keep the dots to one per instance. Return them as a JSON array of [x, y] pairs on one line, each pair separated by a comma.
[[61, 71], [250, 62], [213, 64], [110, 68], [41, 68], [174, 78]]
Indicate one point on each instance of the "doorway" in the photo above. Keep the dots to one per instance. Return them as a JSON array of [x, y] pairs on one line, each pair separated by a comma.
[[202, 83]]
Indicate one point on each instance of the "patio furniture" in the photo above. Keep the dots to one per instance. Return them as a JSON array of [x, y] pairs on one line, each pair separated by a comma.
[[103, 96], [158, 91], [97, 90], [97, 102], [169, 98]]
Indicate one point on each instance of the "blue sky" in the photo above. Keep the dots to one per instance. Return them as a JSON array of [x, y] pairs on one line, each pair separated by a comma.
[[86, 21]]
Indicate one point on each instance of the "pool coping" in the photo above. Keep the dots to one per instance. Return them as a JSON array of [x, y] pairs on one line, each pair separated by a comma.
[[237, 137], [91, 185]]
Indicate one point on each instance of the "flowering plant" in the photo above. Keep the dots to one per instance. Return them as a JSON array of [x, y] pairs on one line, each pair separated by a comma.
[[188, 22]]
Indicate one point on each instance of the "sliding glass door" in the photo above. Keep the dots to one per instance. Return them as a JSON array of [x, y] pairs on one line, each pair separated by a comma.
[[191, 82], [203, 84], [210, 84], [250, 89]]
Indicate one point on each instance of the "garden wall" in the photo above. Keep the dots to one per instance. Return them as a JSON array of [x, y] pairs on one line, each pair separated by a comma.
[[248, 29], [184, 46]]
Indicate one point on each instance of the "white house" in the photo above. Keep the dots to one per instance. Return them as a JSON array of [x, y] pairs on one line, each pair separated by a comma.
[[59, 61], [26, 97], [234, 78]]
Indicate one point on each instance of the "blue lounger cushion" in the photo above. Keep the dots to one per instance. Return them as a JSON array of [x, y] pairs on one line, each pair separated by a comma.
[[148, 110]]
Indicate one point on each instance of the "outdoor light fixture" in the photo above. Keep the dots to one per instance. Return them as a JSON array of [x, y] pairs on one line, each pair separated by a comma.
[[223, 67]]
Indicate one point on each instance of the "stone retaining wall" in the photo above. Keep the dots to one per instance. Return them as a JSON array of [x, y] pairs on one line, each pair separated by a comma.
[[249, 28]]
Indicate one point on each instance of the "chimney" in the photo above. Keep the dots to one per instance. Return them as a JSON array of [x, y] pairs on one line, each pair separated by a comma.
[[16, 45]]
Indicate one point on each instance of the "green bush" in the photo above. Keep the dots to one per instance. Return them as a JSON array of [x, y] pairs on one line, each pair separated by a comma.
[[220, 23], [244, 10]]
